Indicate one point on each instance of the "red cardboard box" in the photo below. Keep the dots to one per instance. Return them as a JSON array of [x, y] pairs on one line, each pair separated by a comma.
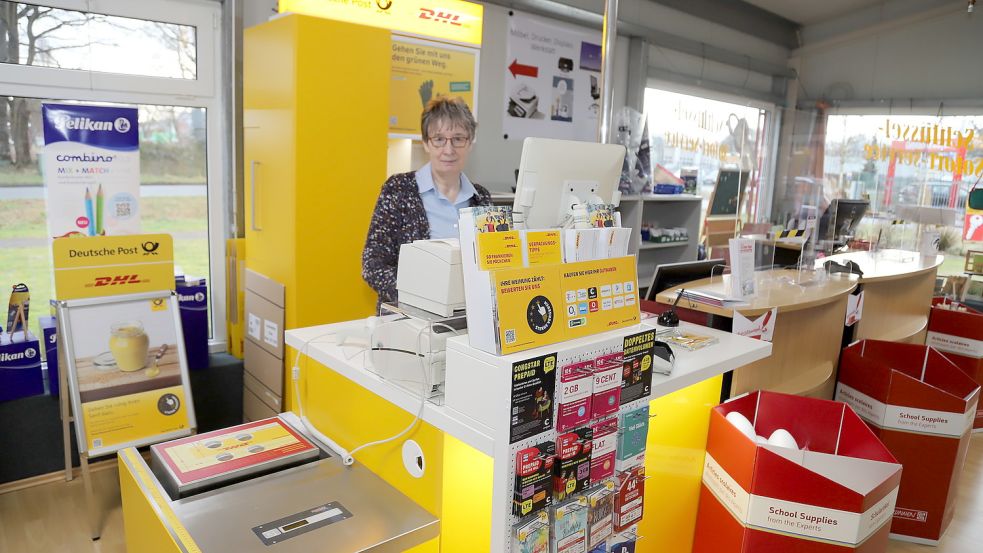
[[835, 495], [922, 407], [959, 335]]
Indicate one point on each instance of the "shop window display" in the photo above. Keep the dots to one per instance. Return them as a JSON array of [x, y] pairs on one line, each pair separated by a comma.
[[174, 196], [695, 139], [898, 162]]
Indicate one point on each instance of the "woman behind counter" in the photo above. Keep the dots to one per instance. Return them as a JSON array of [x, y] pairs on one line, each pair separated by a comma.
[[423, 204]]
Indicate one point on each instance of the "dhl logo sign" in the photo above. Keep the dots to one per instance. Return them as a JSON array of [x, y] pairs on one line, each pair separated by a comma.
[[453, 20], [440, 16], [118, 280], [112, 265]]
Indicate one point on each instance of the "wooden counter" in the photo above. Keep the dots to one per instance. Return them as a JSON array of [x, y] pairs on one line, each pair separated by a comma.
[[898, 287], [808, 330]]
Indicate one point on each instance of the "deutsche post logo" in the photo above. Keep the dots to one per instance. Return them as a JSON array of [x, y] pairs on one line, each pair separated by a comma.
[[150, 248], [384, 4]]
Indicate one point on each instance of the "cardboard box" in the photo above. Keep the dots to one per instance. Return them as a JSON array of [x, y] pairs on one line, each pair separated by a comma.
[[922, 406], [192, 298], [835, 495], [267, 396], [20, 369], [49, 336], [253, 408], [264, 367], [959, 335]]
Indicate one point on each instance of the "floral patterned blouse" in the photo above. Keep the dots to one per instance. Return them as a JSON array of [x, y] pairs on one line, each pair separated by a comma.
[[399, 218]]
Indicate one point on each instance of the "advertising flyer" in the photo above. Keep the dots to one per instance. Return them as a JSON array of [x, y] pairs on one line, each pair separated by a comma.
[[533, 535], [572, 467], [599, 516], [533, 478], [599, 295], [636, 376], [527, 300], [543, 247], [91, 168], [605, 446], [533, 386], [607, 384], [127, 372], [628, 501], [576, 383], [423, 70], [113, 265], [552, 81], [570, 527]]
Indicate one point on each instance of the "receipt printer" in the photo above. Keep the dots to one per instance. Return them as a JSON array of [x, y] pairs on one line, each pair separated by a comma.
[[430, 276]]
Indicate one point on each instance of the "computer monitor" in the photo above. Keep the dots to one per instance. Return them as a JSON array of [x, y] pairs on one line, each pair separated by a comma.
[[554, 175], [847, 216], [671, 275]]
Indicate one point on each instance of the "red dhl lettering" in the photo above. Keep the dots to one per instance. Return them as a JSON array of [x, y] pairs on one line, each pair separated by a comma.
[[441, 16], [117, 280]]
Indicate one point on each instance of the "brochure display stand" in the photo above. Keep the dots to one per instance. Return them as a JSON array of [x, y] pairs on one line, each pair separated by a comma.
[[922, 407]]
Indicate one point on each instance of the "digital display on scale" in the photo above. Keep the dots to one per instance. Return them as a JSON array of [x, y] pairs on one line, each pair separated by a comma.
[[300, 523], [290, 527]]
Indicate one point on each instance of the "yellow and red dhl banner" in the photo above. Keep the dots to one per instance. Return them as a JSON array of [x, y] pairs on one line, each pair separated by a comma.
[[453, 20], [112, 265]]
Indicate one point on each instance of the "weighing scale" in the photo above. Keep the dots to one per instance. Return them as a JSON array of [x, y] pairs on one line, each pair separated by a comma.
[[306, 504]]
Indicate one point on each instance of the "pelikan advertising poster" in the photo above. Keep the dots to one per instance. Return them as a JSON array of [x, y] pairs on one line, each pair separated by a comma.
[[91, 169]]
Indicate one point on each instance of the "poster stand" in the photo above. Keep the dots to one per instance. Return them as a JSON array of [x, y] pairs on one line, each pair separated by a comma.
[[135, 394], [119, 324]]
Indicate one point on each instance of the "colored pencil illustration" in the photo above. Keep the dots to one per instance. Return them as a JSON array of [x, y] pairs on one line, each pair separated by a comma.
[[88, 212], [99, 220]]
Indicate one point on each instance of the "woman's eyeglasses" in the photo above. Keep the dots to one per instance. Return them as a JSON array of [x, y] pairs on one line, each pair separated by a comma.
[[456, 141]]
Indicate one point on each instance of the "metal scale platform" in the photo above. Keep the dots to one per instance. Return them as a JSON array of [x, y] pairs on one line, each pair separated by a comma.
[[317, 506]]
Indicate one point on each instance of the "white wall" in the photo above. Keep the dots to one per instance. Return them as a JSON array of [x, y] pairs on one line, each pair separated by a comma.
[[932, 58]]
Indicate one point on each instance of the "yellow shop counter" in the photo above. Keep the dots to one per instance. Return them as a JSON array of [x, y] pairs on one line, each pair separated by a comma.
[[458, 462]]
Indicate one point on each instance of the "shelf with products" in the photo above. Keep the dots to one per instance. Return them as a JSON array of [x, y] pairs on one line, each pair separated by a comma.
[[665, 211]]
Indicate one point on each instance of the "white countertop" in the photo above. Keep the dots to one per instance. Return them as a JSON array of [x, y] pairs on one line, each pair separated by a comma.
[[320, 343]]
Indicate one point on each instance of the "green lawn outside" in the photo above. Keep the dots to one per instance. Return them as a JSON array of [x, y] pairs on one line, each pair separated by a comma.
[[32, 177], [30, 263]]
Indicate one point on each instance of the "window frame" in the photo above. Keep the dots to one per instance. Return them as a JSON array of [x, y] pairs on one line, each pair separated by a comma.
[[771, 134], [202, 92]]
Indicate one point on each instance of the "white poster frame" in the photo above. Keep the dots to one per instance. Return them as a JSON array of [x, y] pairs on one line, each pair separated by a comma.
[[66, 343]]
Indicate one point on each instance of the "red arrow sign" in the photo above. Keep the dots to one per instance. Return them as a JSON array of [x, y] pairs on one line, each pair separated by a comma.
[[527, 70]]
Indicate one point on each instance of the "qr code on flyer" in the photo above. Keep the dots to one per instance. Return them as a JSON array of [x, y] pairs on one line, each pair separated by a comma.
[[510, 336]]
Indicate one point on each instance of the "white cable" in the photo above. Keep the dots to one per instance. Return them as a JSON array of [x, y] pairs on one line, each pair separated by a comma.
[[423, 397], [346, 457]]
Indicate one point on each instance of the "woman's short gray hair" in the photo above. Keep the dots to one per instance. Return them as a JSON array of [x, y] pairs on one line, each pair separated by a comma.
[[449, 110]]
